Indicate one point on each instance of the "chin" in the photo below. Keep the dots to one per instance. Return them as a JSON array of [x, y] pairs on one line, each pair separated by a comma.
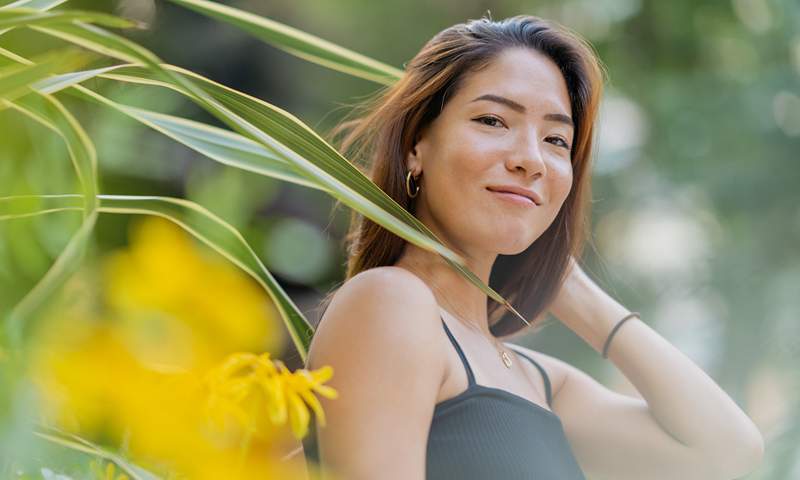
[[506, 246], [516, 250]]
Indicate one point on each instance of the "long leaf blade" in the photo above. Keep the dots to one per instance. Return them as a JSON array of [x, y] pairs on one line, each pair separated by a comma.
[[291, 131], [198, 221], [49, 112], [180, 80], [288, 137], [34, 4], [74, 442], [241, 112], [15, 81], [298, 42], [27, 17], [216, 143]]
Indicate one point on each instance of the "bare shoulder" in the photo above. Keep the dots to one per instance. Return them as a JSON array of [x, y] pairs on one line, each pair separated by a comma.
[[381, 336], [380, 306]]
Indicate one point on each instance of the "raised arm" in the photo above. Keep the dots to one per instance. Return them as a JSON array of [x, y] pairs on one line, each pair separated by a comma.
[[685, 426], [382, 336]]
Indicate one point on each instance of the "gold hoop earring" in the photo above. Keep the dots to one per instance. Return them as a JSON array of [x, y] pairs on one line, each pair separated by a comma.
[[408, 186]]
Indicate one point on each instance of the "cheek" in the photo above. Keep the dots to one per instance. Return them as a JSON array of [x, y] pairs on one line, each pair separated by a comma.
[[562, 181]]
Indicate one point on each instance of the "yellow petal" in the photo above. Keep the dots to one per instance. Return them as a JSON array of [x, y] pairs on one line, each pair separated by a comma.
[[276, 406], [312, 401], [326, 391], [298, 415], [322, 374]]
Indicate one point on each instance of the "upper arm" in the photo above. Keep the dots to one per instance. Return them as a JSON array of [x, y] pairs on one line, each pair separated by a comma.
[[614, 435], [381, 336]]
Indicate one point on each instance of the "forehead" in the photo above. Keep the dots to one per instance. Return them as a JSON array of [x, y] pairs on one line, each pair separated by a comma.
[[521, 74]]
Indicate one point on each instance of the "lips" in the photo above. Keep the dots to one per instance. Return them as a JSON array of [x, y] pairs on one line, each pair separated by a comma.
[[530, 195]]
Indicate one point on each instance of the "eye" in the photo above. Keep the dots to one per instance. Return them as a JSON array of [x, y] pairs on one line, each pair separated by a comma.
[[563, 143], [489, 118]]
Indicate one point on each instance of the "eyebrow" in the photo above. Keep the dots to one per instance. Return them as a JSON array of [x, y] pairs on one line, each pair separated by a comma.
[[519, 108]]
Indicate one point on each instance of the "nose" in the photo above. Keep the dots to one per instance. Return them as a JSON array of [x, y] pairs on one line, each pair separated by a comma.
[[528, 157]]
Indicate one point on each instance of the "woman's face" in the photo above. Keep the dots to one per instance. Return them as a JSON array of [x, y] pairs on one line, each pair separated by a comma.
[[476, 144]]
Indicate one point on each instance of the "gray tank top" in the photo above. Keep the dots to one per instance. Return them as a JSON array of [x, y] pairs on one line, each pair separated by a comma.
[[489, 433]]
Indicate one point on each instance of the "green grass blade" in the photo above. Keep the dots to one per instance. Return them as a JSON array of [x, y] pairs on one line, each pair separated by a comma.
[[298, 42], [16, 80], [49, 112], [22, 206], [195, 219], [57, 83], [218, 144], [28, 17], [215, 143], [74, 442], [34, 4]]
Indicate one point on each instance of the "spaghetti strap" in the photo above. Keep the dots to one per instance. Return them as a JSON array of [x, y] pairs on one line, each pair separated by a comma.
[[544, 375], [470, 375]]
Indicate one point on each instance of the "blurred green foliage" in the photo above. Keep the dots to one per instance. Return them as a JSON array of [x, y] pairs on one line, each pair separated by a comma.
[[697, 172]]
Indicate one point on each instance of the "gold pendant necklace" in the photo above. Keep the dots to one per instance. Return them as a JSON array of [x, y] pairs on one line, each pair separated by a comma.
[[506, 359], [504, 356]]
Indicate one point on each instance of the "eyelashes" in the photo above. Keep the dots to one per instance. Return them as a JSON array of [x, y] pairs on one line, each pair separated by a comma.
[[563, 142], [560, 141], [488, 117]]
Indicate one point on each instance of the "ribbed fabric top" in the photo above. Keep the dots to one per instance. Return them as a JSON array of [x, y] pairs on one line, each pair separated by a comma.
[[487, 433]]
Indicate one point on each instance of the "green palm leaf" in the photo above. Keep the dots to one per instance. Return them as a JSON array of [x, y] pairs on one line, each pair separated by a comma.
[[298, 42]]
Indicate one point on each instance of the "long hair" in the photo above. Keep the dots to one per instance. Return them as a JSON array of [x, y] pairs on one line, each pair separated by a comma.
[[379, 140]]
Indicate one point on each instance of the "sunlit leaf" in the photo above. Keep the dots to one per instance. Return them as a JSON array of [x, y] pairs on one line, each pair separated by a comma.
[[27, 17], [298, 42], [262, 123], [239, 111], [33, 4], [16, 80]]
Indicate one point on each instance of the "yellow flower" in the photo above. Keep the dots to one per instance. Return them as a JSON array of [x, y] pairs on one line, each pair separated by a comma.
[[164, 285], [132, 355], [246, 384]]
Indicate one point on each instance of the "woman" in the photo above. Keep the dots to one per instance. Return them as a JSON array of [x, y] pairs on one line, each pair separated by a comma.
[[487, 140]]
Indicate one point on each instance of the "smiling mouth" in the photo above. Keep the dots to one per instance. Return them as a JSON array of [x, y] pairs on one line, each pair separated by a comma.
[[514, 198]]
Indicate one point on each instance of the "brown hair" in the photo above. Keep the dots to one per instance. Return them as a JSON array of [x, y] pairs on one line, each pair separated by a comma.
[[393, 118]]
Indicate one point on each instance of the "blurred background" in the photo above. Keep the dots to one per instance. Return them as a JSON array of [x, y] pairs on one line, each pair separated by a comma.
[[696, 213]]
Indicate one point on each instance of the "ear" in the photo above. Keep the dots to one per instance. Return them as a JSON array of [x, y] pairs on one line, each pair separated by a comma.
[[414, 157]]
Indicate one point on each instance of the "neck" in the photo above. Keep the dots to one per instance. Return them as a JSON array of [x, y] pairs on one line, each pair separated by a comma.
[[453, 292]]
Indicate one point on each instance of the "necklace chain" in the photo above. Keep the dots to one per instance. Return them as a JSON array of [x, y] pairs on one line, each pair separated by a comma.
[[504, 356]]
